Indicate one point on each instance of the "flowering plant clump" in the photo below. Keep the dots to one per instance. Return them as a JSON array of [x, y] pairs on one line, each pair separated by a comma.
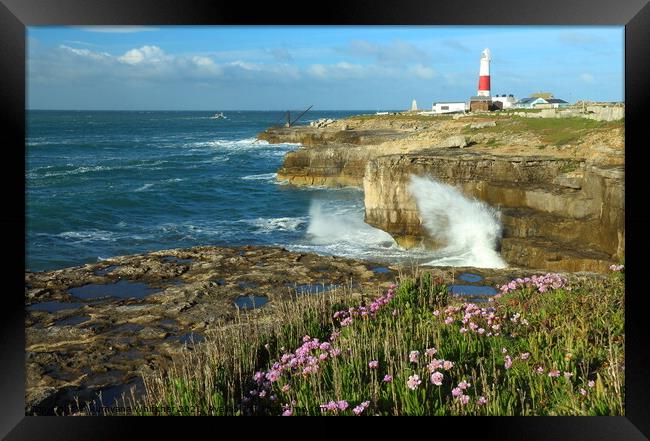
[[617, 267], [540, 283], [359, 359]]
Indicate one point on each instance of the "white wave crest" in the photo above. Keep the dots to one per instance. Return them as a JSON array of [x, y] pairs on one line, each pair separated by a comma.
[[469, 228]]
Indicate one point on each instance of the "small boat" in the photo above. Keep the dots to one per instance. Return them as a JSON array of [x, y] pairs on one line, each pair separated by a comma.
[[219, 115]]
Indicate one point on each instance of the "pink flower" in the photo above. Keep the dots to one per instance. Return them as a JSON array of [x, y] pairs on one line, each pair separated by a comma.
[[361, 407], [583, 392], [374, 364], [262, 394], [436, 313], [395, 312], [567, 375], [306, 338], [342, 405], [462, 330], [464, 399], [539, 370], [436, 378], [481, 331], [591, 383], [482, 401], [504, 351], [286, 388], [464, 385], [525, 356], [413, 382], [332, 406], [431, 352], [434, 365], [287, 412], [324, 346], [456, 392], [448, 365], [323, 356], [335, 352], [554, 373], [508, 363], [414, 356], [449, 320], [388, 378]]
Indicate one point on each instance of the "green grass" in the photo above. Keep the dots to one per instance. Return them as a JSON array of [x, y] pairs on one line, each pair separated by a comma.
[[578, 330]]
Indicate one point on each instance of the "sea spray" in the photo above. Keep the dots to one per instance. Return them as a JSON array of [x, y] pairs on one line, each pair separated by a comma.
[[469, 228], [329, 224]]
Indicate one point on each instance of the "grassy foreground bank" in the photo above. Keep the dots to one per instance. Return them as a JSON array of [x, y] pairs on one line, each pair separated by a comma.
[[543, 347]]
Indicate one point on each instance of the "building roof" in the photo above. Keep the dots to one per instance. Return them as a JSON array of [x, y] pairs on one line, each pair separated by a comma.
[[529, 100], [556, 101]]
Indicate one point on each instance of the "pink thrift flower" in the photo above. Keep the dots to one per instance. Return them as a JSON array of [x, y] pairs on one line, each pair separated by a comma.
[[525, 356], [464, 385], [262, 394], [324, 346], [583, 392], [591, 383], [323, 356], [431, 352], [508, 363], [554, 373], [287, 412], [464, 399], [539, 370], [388, 378], [449, 320], [504, 351], [482, 401], [413, 382], [306, 338], [456, 392], [374, 364], [480, 331], [447, 365], [462, 330], [286, 388], [395, 312], [342, 405], [436, 313], [434, 365], [414, 356], [436, 378]]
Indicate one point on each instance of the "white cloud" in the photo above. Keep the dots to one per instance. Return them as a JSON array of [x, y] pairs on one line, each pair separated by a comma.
[[587, 78], [86, 53], [424, 72], [145, 54]]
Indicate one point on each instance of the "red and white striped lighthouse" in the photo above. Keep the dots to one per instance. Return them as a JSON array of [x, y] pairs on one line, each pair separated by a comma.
[[484, 74]]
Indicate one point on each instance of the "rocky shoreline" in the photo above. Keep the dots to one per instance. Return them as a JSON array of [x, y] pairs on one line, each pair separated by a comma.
[[99, 327], [558, 183]]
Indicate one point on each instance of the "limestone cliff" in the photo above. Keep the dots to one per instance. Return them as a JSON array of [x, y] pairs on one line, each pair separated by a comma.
[[559, 184]]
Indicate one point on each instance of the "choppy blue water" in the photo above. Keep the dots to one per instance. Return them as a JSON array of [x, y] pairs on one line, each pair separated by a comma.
[[102, 184]]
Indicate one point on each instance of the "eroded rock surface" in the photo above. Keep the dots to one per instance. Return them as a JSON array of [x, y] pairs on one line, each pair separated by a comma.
[[138, 311], [559, 184]]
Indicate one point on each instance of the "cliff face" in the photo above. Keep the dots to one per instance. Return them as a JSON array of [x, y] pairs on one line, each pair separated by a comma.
[[562, 207], [557, 214]]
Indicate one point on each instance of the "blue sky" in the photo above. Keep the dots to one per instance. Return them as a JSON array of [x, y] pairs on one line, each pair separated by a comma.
[[331, 67]]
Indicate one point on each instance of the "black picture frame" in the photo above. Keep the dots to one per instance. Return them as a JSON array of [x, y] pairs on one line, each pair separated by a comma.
[[15, 15]]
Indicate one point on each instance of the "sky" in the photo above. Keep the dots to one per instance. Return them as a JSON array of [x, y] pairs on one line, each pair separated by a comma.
[[330, 67]]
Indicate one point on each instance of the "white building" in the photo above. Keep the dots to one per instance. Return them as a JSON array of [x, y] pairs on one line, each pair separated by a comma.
[[506, 101], [449, 107]]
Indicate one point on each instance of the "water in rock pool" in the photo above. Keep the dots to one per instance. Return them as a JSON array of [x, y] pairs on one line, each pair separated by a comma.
[[107, 183]]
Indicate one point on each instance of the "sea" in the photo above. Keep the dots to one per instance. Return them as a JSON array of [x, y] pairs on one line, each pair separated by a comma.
[[101, 184]]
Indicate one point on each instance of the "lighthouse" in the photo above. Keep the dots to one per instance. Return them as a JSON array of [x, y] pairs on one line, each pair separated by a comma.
[[484, 74]]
